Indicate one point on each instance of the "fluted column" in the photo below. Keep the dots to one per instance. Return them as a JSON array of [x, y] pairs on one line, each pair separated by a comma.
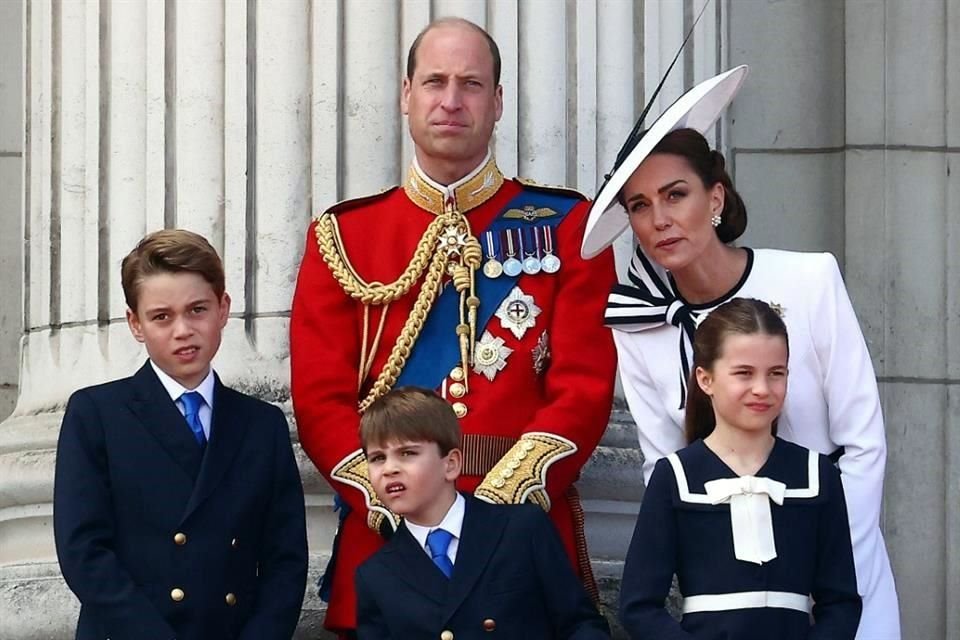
[[240, 120], [143, 115]]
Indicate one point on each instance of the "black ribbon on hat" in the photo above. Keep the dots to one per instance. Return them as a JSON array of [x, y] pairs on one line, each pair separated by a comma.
[[650, 302], [636, 134]]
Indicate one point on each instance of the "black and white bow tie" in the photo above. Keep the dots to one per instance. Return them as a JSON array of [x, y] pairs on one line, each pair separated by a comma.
[[649, 301]]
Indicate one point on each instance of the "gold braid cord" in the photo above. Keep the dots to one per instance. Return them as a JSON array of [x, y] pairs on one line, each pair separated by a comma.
[[521, 475], [447, 246], [331, 248]]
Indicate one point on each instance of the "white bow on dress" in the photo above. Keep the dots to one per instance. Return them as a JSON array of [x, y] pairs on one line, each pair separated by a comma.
[[749, 498]]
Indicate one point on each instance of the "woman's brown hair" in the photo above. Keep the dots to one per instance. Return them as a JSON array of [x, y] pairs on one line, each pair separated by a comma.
[[740, 316], [710, 167]]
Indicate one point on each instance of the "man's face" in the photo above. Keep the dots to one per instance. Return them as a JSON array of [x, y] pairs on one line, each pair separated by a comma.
[[413, 479], [452, 101], [179, 319]]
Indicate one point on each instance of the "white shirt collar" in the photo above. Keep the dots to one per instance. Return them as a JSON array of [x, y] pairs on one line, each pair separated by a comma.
[[175, 389], [452, 522], [448, 189]]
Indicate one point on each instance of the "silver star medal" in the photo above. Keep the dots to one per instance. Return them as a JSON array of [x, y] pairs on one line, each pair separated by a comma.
[[451, 240], [518, 312], [490, 356]]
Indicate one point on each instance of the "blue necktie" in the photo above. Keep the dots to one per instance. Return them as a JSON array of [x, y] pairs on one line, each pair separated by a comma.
[[192, 401], [437, 541]]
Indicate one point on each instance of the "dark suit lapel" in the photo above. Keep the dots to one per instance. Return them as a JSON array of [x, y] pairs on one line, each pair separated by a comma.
[[227, 432], [160, 417], [413, 566], [479, 538]]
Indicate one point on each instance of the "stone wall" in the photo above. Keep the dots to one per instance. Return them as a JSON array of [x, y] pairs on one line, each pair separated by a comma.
[[241, 119], [845, 139]]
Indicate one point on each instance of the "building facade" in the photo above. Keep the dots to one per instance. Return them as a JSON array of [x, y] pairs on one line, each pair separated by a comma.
[[240, 119]]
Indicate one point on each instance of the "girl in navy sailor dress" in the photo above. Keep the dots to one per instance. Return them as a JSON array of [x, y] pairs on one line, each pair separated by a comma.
[[754, 527]]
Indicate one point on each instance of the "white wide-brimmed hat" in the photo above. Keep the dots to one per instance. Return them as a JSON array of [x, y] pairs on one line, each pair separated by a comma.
[[697, 109]]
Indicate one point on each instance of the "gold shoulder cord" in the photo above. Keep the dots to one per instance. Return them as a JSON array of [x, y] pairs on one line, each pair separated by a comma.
[[446, 246]]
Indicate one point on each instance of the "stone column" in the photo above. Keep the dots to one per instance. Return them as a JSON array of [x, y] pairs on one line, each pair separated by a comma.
[[11, 182], [240, 120], [787, 124], [142, 115], [902, 197], [844, 140]]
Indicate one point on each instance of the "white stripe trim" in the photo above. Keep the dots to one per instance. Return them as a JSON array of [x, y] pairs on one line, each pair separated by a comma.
[[812, 490], [747, 600], [682, 487], [813, 479], [635, 311]]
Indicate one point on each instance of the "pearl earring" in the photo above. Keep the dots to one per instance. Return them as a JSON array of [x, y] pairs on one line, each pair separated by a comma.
[[716, 220]]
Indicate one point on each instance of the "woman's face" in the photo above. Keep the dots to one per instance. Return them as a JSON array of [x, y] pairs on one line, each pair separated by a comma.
[[670, 209], [748, 383]]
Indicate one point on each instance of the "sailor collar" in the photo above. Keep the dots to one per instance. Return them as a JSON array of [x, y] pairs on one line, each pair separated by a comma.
[[811, 490], [465, 194]]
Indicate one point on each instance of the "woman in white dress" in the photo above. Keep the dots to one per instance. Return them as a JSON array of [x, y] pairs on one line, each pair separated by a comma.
[[673, 191]]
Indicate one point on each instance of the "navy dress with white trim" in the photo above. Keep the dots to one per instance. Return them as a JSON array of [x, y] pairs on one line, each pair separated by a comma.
[[680, 531]]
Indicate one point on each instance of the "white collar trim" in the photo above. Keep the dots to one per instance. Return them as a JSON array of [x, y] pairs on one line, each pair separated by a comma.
[[812, 490]]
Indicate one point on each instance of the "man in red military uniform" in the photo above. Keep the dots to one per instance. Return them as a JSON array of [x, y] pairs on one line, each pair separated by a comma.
[[460, 281]]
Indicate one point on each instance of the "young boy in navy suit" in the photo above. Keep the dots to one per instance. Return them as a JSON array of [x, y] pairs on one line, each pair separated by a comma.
[[457, 568], [178, 508]]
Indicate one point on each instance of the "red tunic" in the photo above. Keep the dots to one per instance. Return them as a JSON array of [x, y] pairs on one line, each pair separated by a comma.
[[570, 398]]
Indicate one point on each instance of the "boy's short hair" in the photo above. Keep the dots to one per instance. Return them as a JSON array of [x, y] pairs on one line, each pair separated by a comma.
[[410, 414], [170, 251]]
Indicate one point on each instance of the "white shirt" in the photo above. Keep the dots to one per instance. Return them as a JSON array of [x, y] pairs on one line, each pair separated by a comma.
[[205, 389], [452, 522]]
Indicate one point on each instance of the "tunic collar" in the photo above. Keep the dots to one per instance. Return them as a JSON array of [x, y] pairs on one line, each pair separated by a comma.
[[465, 194]]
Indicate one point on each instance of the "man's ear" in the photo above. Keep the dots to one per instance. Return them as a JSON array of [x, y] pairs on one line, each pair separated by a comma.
[[133, 322], [405, 96], [704, 380], [454, 464], [224, 309]]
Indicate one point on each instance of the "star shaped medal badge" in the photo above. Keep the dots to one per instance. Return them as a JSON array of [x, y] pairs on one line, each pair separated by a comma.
[[518, 312], [490, 355]]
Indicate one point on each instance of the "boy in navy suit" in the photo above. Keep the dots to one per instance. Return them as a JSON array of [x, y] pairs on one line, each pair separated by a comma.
[[178, 508], [457, 567]]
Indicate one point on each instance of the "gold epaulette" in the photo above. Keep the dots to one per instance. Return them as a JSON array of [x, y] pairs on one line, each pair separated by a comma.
[[353, 203], [549, 188], [353, 471], [521, 475]]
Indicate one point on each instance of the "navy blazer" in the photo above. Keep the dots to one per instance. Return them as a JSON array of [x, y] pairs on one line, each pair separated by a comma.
[[159, 540], [511, 579]]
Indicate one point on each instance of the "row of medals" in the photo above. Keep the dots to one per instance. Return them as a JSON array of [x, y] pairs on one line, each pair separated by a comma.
[[533, 244]]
